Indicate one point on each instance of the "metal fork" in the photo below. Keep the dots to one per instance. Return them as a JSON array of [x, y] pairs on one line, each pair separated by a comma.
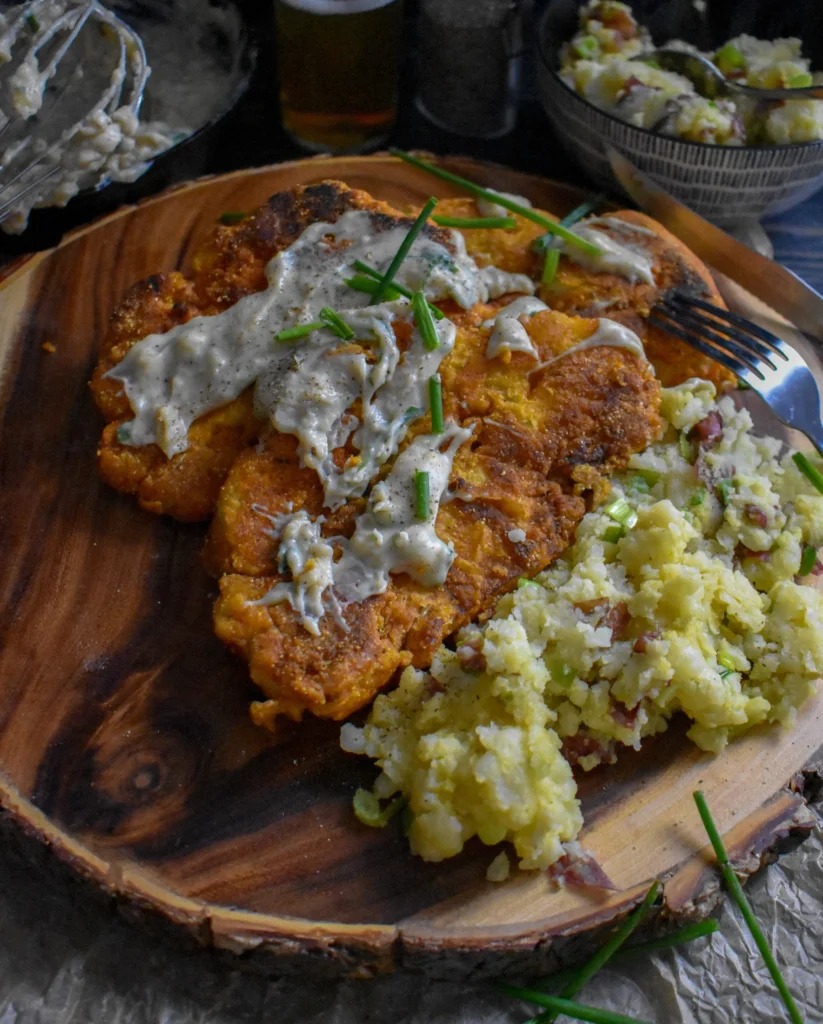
[[771, 367]]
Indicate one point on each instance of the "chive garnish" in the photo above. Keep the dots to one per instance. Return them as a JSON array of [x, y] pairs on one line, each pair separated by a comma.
[[808, 559], [814, 476], [578, 1011], [524, 581], [686, 447], [621, 512], [231, 217], [494, 197], [405, 245], [640, 484], [651, 476], [552, 260], [612, 534], [367, 808], [603, 955], [424, 321], [724, 490], [436, 404], [475, 222], [364, 268], [422, 498], [361, 283], [739, 897], [293, 333], [688, 933], [336, 323], [33, 23], [697, 498]]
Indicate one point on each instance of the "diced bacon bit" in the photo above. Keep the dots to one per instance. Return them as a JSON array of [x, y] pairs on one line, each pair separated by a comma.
[[756, 515], [577, 867], [584, 745], [625, 716], [617, 619], [741, 553], [471, 656], [816, 569], [641, 644], [708, 431]]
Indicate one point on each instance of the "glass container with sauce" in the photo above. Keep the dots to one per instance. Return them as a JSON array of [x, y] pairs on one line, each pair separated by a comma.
[[338, 62]]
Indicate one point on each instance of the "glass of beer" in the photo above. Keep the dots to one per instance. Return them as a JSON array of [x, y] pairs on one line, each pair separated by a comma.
[[339, 62]]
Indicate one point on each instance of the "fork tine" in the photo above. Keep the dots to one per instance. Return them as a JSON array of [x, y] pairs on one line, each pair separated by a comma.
[[25, 191], [735, 319], [737, 367], [705, 330], [747, 348]]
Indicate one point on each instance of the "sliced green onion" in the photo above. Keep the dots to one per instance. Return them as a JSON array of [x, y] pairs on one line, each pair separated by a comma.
[[814, 476], [808, 559], [524, 581], [422, 498], [640, 484], [436, 404], [336, 324], [621, 512], [403, 250], [367, 808], [576, 1010], [504, 201], [361, 283], [550, 265], [425, 323], [586, 47], [725, 673], [364, 268], [801, 81], [729, 58], [475, 222], [688, 933], [544, 242], [697, 498], [562, 673], [604, 954], [293, 333], [651, 476], [739, 897], [724, 490], [612, 534], [687, 449], [33, 23]]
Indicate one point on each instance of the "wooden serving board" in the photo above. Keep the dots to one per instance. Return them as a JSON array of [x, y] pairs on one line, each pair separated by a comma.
[[125, 741]]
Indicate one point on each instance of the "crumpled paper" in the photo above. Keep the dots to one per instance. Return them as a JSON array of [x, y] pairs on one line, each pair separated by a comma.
[[63, 961]]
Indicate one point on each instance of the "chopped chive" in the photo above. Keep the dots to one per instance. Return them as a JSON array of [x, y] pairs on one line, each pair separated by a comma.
[[621, 512], [550, 265], [504, 201], [33, 23], [808, 559], [403, 250], [411, 413], [367, 808], [814, 476], [724, 490], [688, 933], [612, 534], [436, 404], [578, 1011], [361, 283], [562, 673], [231, 217], [586, 47], [293, 333], [604, 954], [739, 897], [651, 476], [726, 660], [687, 449], [552, 260], [475, 222], [424, 321], [697, 498], [725, 673], [422, 508], [801, 81], [524, 581], [364, 268], [336, 323], [640, 484]]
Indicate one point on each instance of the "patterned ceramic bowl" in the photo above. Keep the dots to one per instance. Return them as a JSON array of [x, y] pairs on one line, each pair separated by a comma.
[[726, 184]]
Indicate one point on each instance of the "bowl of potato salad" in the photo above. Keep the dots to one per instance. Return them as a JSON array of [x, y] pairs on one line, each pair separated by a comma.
[[731, 159]]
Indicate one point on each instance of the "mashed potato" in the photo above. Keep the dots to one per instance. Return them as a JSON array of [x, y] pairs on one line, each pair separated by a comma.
[[681, 594], [600, 63]]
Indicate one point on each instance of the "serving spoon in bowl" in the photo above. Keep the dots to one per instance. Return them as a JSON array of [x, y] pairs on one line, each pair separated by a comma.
[[710, 81]]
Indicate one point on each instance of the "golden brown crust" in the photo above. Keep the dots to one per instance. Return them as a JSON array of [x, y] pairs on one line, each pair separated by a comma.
[[541, 445]]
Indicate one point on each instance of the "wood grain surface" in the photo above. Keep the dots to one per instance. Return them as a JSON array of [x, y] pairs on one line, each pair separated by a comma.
[[125, 741]]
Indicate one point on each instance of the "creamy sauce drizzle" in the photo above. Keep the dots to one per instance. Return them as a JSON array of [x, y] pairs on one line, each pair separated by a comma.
[[628, 227], [508, 334], [609, 334], [629, 261], [487, 208], [388, 538]]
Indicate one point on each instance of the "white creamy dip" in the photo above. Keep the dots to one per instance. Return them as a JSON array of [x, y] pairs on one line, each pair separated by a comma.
[[609, 334], [508, 334], [490, 209], [627, 260]]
